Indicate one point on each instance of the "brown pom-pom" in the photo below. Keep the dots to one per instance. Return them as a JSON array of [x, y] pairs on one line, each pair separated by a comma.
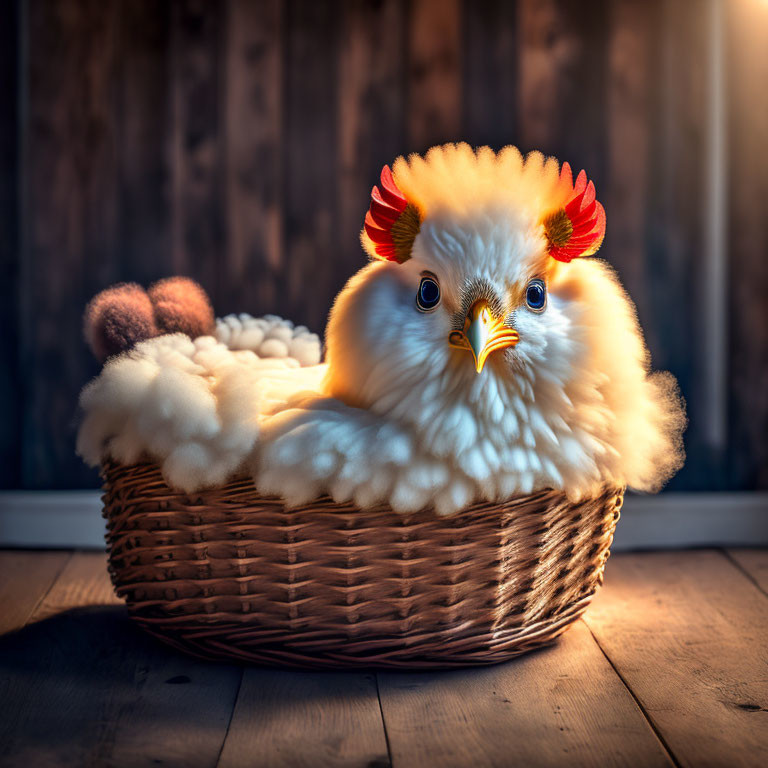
[[182, 306], [117, 318]]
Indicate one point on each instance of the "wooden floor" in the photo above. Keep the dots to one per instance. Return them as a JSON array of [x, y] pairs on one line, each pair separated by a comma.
[[669, 667]]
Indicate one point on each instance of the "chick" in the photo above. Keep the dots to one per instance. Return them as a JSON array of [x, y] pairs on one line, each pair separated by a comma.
[[480, 354]]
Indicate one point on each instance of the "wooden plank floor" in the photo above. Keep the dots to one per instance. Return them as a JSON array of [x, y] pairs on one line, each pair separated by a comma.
[[668, 668]]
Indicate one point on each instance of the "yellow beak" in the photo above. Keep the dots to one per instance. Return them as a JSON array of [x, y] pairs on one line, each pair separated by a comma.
[[483, 333]]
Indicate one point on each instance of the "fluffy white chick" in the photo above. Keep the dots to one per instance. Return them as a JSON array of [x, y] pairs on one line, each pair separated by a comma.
[[476, 357]]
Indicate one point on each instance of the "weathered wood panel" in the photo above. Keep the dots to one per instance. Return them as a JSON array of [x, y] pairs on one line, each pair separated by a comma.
[[631, 84], [10, 384], [69, 220], [434, 73], [25, 579], [754, 562], [249, 271], [561, 705], [308, 274], [490, 73], [80, 685], [688, 632], [746, 25], [670, 304], [562, 90], [682, 641], [199, 236], [145, 120], [372, 114], [295, 719]]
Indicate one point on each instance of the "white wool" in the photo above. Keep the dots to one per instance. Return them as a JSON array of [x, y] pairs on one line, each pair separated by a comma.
[[396, 415], [193, 406], [269, 336]]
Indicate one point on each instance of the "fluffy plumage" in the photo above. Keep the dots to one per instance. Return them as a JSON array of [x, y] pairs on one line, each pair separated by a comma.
[[402, 416]]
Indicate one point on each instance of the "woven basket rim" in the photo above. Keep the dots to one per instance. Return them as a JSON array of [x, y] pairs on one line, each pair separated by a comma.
[[245, 481]]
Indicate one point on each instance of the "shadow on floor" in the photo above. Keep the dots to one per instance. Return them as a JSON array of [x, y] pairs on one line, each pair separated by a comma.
[[88, 686]]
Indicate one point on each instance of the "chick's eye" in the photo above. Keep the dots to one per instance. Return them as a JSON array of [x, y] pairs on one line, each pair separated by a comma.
[[536, 295], [428, 296]]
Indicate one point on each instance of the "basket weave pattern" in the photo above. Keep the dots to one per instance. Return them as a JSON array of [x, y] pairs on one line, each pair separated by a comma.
[[226, 573]]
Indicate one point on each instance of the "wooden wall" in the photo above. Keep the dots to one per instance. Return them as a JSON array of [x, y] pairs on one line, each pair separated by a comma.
[[237, 141]]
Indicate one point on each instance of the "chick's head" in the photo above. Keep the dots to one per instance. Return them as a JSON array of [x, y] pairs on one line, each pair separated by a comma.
[[472, 294]]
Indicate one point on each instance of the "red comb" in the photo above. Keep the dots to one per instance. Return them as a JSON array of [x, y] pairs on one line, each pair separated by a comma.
[[392, 222], [578, 228]]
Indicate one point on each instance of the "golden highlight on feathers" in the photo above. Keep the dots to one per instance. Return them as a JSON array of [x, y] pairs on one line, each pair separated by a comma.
[[456, 178], [404, 232], [558, 227], [459, 180]]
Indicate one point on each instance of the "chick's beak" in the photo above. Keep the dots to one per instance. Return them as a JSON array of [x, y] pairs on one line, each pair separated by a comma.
[[483, 333]]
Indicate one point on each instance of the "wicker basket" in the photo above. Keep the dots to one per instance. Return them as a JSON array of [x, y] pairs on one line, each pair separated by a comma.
[[228, 574]]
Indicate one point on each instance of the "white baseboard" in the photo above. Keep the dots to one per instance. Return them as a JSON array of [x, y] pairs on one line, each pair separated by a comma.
[[678, 520], [72, 519], [51, 519]]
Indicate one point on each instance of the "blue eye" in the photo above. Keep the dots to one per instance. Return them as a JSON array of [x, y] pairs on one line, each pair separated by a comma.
[[536, 295], [428, 296]]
